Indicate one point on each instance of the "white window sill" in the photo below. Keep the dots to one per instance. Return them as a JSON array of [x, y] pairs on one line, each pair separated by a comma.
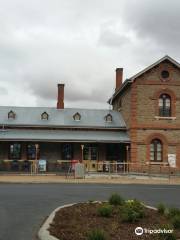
[[164, 118], [157, 163]]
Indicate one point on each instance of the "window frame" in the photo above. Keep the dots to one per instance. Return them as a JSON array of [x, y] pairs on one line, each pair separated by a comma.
[[44, 118], [163, 101], [11, 115], [67, 151], [155, 150], [37, 151], [77, 116], [20, 152], [107, 118], [91, 152]]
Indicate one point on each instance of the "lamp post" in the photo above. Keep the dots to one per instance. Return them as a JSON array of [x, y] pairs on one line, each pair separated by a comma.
[[82, 148], [127, 157]]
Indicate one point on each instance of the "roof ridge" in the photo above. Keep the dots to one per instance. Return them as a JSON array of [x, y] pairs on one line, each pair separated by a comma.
[[166, 57], [54, 108]]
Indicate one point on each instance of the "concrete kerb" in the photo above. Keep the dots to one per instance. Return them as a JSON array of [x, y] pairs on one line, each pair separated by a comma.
[[44, 234]]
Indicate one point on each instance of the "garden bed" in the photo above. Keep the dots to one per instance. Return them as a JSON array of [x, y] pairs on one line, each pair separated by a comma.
[[87, 221]]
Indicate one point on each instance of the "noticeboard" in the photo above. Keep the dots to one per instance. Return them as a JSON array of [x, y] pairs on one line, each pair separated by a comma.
[[42, 165], [172, 160]]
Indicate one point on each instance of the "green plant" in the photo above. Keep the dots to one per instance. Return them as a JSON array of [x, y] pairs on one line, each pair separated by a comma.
[[105, 210], [173, 212], [96, 234], [132, 211], [129, 215], [116, 199], [161, 208], [176, 221], [167, 235]]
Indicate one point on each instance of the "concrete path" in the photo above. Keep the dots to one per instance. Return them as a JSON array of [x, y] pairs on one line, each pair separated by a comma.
[[89, 179]]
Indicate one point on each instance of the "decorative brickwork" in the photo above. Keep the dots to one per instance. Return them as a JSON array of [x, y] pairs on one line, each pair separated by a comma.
[[141, 110]]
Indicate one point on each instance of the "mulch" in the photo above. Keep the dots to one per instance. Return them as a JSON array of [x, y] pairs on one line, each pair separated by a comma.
[[75, 222]]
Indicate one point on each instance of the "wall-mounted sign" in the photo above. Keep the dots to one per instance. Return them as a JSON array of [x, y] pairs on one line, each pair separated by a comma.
[[42, 165], [172, 160]]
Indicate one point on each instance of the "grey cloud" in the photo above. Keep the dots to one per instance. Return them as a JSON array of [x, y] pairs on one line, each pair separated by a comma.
[[79, 43], [3, 91], [110, 38], [155, 20]]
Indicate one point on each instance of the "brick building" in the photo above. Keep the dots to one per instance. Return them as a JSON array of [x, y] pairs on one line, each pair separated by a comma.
[[143, 129], [150, 105]]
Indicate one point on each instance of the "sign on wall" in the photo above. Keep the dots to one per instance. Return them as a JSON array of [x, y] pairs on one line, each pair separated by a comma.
[[42, 165], [172, 160]]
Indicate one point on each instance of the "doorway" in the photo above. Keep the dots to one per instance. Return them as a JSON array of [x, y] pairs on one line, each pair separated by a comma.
[[90, 157]]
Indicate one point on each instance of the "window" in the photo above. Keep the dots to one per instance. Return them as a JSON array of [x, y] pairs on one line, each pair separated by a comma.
[[77, 117], [11, 115], [112, 151], [90, 152], [67, 151], [32, 151], [165, 74], [44, 116], [15, 151], [164, 105], [156, 150], [108, 118]]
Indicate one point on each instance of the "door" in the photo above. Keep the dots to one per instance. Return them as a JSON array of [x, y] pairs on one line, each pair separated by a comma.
[[90, 157]]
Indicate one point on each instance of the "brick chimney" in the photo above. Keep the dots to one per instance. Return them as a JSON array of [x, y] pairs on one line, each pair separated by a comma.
[[119, 77], [60, 98]]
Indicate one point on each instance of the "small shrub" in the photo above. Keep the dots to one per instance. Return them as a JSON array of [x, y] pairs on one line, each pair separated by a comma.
[[176, 221], [129, 215], [173, 212], [166, 236], [132, 211], [138, 207], [96, 234], [105, 210], [116, 199], [161, 208]]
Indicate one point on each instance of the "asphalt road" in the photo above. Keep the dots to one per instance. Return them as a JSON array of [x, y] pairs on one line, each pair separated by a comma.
[[23, 207]]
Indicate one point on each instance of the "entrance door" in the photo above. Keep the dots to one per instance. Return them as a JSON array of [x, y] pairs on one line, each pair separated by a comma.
[[90, 157]]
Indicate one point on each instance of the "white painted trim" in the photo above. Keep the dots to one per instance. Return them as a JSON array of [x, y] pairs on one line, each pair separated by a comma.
[[164, 118]]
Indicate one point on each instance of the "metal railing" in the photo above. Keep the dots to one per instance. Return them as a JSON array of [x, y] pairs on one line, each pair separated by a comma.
[[62, 167]]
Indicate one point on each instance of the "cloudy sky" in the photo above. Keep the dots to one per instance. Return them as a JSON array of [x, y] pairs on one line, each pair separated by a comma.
[[80, 43]]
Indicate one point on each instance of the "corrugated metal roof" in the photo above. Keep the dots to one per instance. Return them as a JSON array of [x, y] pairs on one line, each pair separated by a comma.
[[64, 135], [31, 116]]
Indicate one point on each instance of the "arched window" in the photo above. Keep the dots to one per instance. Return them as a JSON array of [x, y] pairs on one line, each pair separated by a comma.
[[108, 118], [11, 115], [156, 150], [44, 116], [164, 105], [77, 116]]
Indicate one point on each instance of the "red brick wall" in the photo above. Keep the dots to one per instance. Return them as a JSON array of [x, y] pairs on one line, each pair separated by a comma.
[[144, 124]]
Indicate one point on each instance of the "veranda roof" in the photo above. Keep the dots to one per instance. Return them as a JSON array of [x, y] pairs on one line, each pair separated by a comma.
[[63, 135]]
